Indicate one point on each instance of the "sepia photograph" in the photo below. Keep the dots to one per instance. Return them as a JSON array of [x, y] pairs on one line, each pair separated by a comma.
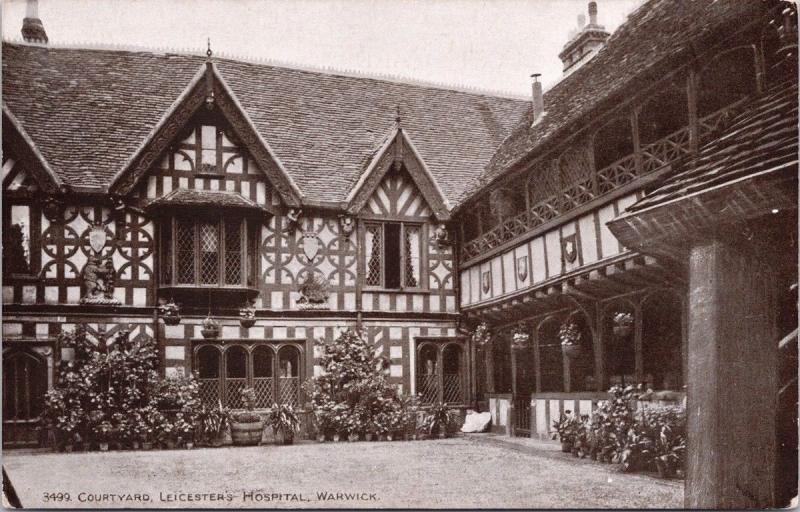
[[407, 254]]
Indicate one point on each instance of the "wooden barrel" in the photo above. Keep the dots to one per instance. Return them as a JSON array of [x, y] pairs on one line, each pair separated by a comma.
[[247, 434]]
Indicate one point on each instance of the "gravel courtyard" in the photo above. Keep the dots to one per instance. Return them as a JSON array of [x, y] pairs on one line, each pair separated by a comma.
[[464, 472]]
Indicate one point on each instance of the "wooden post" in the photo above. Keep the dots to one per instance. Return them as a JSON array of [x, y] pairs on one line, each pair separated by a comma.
[[638, 364], [566, 366], [691, 98], [489, 355], [732, 380], [537, 364], [600, 377]]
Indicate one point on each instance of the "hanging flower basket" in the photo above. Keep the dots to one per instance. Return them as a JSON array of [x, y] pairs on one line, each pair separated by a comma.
[[170, 312], [481, 335], [520, 339], [570, 336], [210, 328], [623, 324], [247, 315]]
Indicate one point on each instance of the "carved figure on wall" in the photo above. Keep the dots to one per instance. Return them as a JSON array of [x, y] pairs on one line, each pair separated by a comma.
[[314, 292], [98, 279]]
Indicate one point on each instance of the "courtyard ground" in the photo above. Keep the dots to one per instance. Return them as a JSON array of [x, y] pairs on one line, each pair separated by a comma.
[[477, 471]]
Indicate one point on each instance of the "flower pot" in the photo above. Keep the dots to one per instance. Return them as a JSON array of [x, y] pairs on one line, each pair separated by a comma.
[[246, 434], [368, 437], [284, 437], [247, 322], [135, 445], [320, 438], [336, 438], [352, 438], [189, 445], [566, 446], [147, 445], [103, 447], [572, 351], [664, 471], [68, 448], [212, 332], [172, 319], [620, 331], [169, 444], [389, 437]]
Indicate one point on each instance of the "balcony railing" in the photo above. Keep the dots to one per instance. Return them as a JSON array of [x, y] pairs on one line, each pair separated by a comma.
[[653, 157]]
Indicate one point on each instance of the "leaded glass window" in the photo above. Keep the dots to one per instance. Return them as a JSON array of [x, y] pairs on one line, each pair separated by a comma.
[[393, 255], [374, 250], [412, 252]]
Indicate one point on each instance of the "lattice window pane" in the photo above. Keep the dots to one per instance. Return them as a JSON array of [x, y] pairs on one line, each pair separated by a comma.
[[233, 392], [263, 388], [289, 392], [209, 253], [412, 250], [210, 392], [428, 388], [184, 248], [233, 252], [452, 388], [374, 252]]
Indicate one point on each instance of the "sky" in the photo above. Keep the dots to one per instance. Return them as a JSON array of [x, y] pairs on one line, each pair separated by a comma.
[[491, 45]]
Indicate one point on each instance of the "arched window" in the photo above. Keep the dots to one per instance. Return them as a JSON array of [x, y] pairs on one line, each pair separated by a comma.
[[727, 78], [274, 373], [664, 113], [208, 373], [289, 375], [581, 368], [619, 325], [440, 372], [662, 338], [613, 142], [235, 375], [551, 365]]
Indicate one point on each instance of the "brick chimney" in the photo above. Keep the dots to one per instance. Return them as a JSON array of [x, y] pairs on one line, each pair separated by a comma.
[[585, 43], [32, 28], [537, 97]]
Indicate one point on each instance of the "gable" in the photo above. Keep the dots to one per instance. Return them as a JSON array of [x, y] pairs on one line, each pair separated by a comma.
[[397, 183], [397, 196], [205, 119], [23, 165]]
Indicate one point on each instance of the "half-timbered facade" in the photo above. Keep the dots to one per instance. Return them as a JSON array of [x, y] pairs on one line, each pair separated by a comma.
[[618, 206]]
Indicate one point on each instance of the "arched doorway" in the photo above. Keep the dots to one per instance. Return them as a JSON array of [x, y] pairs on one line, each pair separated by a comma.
[[24, 386], [289, 375]]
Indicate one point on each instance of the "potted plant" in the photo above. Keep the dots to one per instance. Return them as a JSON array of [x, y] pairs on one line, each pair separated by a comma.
[[167, 434], [623, 324], [520, 339], [566, 428], [481, 335], [211, 424], [437, 420], [247, 315], [570, 336], [170, 312], [210, 328], [103, 432], [247, 426], [185, 431], [284, 422]]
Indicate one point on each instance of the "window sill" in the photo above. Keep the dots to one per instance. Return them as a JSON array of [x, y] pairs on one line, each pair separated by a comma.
[[406, 291], [199, 292], [217, 175]]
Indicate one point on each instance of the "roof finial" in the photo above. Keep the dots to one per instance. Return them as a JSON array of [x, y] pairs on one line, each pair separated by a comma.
[[208, 51]]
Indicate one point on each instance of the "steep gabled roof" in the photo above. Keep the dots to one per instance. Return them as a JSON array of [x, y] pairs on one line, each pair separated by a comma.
[[88, 111], [656, 38]]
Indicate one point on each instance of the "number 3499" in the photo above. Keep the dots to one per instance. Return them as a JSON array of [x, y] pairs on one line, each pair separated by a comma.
[[56, 496]]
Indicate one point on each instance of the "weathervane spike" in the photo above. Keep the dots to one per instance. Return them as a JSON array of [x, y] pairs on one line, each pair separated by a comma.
[[208, 50]]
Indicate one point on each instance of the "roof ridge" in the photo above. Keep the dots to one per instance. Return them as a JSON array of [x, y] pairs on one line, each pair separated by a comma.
[[267, 61]]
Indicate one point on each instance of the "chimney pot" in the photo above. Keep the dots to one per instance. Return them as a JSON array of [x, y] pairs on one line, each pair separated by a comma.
[[538, 98], [32, 27], [593, 13]]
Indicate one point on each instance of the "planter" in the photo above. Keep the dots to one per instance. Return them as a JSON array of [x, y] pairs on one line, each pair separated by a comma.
[[336, 438], [135, 445], [368, 437], [572, 351], [172, 319], [68, 448], [664, 471], [352, 438], [210, 332], [620, 331], [147, 446], [320, 438], [566, 447], [246, 434], [189, 445], [247, 322], [389, 437], [284, 437], [169, 444], [103, 447]]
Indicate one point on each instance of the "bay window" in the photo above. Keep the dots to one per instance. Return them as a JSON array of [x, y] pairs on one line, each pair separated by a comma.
[[393, 252]]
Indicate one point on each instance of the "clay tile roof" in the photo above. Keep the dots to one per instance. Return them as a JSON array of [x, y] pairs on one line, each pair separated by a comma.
[[89, 110], [189, 198], [761, 139], [658, 36]]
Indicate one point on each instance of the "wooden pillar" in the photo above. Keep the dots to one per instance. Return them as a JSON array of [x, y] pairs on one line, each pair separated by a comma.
[[489, 358], [732, 380], [598, 345], [514, 357], [537, 364], [638, 328], [566, 365]]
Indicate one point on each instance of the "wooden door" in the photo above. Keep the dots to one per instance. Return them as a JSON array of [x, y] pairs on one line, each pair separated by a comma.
[[24, 386]]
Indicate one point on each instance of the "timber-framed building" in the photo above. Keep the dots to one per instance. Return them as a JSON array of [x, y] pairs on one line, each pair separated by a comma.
[[648, 200]]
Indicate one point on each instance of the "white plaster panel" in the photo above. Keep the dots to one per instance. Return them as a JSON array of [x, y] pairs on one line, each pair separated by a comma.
[[366, 301], [624, 202], [349, 301], [395, 333], [140, 296], [537, 253], [12, 329], [173, 331], [51, 294], [608, 240], [28, 294], [8, 294], [588, 237], [541, 416], [555, 413], [417, 303], [553, 247], [450, 303], [277, 300], [279, 333], [497, 277], [464, 279], [396, 352], [384, 301], [178, 353], [435, 302], [474, 284], [396, 370], [401, 302], [509, 271], [42, 330], [73, 294], [230, 331]]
